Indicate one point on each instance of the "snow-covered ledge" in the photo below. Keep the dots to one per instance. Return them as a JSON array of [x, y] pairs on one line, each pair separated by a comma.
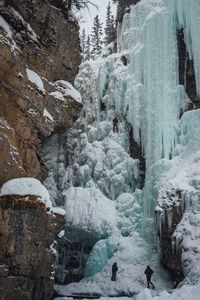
[[26, 186]]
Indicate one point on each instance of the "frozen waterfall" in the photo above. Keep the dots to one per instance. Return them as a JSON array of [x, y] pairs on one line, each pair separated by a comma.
[[97, 175]]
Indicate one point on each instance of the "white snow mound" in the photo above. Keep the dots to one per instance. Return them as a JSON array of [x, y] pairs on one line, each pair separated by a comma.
[[26, 186], [89, 209], [35, 78]]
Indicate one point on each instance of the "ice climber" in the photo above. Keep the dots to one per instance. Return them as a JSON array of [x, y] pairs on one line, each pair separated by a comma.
[[148, 273], [115, 126], [114, 271]]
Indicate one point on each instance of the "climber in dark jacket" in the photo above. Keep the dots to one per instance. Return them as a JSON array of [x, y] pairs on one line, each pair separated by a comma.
[[115, 126], [114, 271], [148, 273]]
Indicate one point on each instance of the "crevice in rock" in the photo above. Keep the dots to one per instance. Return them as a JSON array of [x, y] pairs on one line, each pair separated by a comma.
[[72, 257], [187, 72], [171, 257], [136, 153]]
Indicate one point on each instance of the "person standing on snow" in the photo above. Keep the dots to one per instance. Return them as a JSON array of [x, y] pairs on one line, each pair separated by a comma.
[[115, 125], [114, 271], [149, 273]]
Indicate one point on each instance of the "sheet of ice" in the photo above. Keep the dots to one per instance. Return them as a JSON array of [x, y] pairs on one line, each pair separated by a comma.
[[35, 78], [26, 186]]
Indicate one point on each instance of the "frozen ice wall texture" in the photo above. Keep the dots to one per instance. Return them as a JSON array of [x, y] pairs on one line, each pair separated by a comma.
[[140, 85], [153, 99]]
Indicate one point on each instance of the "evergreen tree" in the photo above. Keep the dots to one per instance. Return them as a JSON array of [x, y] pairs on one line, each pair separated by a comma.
[[110, 29], [96, 37], [83, 43], [87, 49]]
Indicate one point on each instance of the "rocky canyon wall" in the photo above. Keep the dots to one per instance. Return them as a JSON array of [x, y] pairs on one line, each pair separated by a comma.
[[28, 234], [39, 47], [39, 58]]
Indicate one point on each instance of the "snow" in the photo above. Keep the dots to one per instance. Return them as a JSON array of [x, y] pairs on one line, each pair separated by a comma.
[[7, 29], [32, 112], [89, 209], [26, 186], [35, 78], [31, 32], [63, 298], [58, 210], [4, 124], [67, 90], [184, 293], [61, 234], [57, 95], [47, 115]]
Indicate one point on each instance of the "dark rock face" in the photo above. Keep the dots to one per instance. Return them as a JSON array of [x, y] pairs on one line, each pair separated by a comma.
[[40, 38], [45, 41], [167, 220], [186, 71], [72, 258], [136, 153], [56, 52], [124, 7], [26, 234]]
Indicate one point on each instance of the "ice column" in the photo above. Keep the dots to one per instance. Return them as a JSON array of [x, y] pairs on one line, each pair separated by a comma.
[[153, 93]]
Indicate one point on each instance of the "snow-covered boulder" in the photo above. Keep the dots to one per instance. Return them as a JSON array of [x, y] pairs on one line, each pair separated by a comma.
[[26, 186]]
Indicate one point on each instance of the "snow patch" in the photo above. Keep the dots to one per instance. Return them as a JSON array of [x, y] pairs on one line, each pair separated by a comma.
[[58, 210], [7, 29], [58, 95], [90, 210], [47, 115], [67, 90], [26, 186], [35, 78], [31, 32]]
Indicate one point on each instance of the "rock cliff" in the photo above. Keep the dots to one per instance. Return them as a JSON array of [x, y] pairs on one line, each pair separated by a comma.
[[168, 216], [28, 233], [39, 55]]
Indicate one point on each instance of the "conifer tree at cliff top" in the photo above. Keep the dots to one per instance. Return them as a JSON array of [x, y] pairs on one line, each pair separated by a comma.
[[96, 37], [87, 49], [110, 29]]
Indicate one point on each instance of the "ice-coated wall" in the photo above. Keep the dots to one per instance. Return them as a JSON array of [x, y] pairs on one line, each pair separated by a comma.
[[101, 182]]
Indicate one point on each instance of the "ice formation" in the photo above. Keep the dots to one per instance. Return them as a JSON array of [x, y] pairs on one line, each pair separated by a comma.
[[140, 85]]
